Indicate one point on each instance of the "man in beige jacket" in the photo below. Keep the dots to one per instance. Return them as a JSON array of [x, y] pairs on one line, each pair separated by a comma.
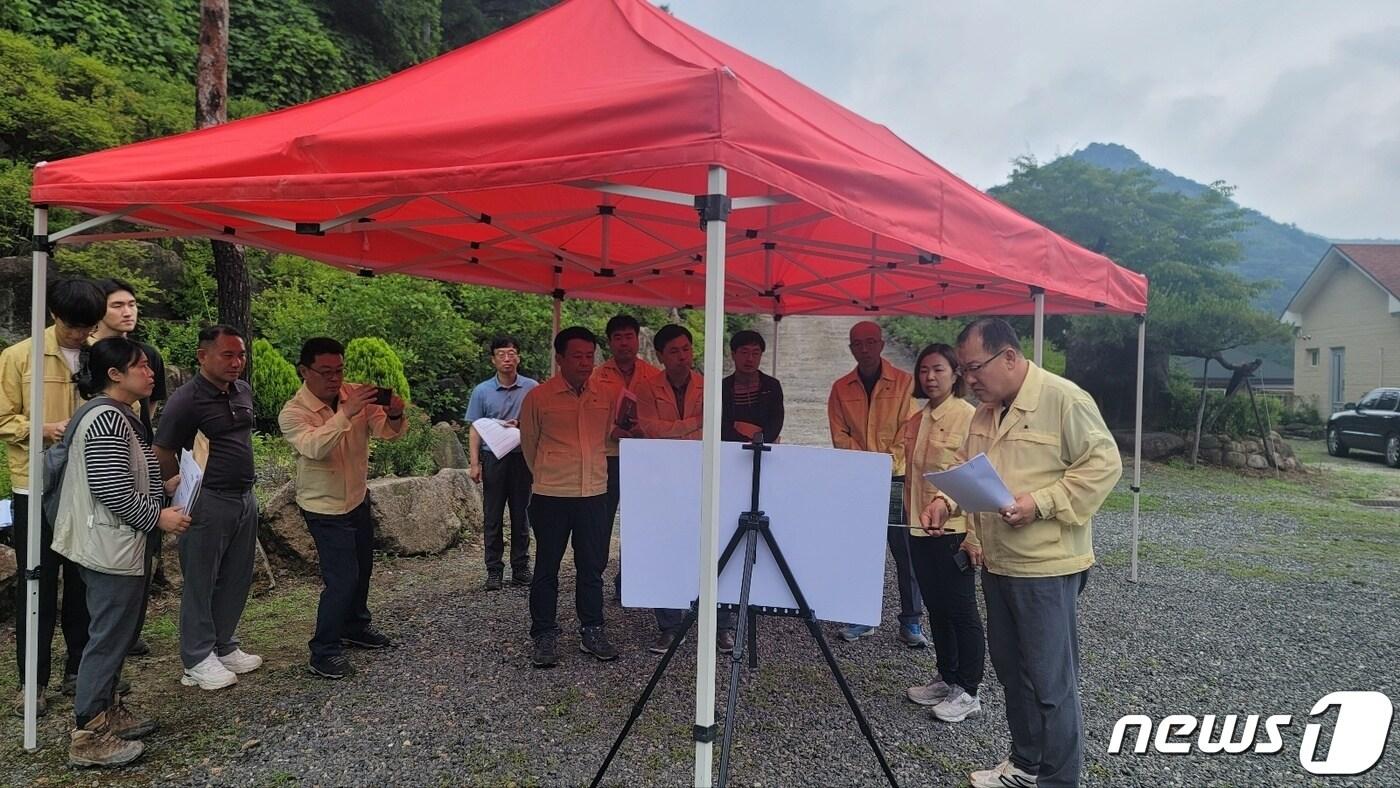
[[1046, 438]]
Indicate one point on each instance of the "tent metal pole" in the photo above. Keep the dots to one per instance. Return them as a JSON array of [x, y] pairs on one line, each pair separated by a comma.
[[777, 327], [1137, 445], [37, 309], [710, 482], [1038, 295]]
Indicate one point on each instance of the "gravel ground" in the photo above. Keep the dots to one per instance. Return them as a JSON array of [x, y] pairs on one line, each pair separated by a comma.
[[1239, 608]]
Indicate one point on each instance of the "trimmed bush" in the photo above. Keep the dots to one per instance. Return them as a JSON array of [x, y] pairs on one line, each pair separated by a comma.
[[411, 454], [371, 360], [274, 382]]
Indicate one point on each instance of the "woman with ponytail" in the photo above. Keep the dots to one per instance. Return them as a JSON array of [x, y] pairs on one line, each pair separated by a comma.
[[112, 497]]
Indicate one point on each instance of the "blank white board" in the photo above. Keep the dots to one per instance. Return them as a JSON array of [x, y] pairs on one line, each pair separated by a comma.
[[828, 510]]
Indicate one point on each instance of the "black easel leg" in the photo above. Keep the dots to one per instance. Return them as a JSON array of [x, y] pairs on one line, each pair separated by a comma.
[[686, 624], [736, 660], [816, 629]]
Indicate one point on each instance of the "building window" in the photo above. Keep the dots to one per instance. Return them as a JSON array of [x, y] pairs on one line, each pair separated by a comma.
[[1312, 356]]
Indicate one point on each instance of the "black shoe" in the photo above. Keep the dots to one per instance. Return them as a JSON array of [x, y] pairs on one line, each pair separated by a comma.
[[336, 666], [546, 653], [724, 641], [370, 638], [594, 640], [139, 648], [493, 581], [522, 578], [663, 642]]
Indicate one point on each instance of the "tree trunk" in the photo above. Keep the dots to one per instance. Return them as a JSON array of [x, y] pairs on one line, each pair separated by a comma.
[[211, 109]]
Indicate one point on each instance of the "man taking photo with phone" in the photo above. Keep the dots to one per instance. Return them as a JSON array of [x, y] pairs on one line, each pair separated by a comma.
[[329, 424]]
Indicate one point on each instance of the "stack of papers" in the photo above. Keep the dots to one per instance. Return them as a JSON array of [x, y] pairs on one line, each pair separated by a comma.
[[975, 486], [191, 477], [499, 438]]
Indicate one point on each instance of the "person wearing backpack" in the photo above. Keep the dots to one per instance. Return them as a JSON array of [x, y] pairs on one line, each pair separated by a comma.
[[110, 498], [76, 306]]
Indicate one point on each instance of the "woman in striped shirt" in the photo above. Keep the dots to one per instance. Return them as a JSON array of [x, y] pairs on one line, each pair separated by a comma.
[[123, 489]]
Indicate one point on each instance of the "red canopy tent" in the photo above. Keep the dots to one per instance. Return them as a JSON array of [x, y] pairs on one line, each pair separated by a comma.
[[581, 153]]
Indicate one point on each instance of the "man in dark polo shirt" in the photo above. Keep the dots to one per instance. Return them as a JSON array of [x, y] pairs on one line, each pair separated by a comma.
[[216, 553]]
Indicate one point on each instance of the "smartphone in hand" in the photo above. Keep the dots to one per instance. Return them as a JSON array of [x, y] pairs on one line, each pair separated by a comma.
[[963, 563], [383, 396]]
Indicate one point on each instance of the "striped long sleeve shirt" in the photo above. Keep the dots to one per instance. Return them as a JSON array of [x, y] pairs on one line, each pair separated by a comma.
[[107, 454]]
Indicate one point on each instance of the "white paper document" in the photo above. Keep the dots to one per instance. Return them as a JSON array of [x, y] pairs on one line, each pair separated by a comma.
[[975, 486], [191, 477], [499, 438], [7, 516]]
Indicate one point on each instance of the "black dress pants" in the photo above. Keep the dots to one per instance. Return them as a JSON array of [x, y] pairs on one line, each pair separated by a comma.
[[557, 522], [506, 482], [345, 545], [951, 597], [74, 613]]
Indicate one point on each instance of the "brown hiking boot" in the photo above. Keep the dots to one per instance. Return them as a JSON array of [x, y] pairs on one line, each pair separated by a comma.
[[94, 745], [124, 723], [42, 707]]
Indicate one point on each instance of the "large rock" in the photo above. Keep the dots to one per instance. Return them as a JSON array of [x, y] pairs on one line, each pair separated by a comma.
[[1258, 462], [424, 515], [449, 452], [284, 530], [1210, 442], [1155, 445]]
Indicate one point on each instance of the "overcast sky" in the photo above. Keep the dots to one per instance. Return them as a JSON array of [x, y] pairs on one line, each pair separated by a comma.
[[1296, 104]]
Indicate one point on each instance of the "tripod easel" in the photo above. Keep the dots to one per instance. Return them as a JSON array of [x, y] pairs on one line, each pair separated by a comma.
[[753, 525]]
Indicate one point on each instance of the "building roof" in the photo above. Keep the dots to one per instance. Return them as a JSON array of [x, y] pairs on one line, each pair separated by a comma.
[[1378, 262]]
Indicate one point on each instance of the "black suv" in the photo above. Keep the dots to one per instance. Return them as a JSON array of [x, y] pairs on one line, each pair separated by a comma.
[[1373, 424]]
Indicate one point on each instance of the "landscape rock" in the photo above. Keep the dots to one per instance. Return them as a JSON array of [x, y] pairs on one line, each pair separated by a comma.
[[1235, 459], [284, 529], [1257, 462], [449, 452], [424, 515]]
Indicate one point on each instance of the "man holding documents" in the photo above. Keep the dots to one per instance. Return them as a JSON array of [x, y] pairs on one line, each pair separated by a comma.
[[867, 411], [1047, 440], [328, 425], [504, 480]]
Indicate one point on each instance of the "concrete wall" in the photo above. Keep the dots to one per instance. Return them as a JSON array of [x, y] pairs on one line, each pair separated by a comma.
[[1350, 312]]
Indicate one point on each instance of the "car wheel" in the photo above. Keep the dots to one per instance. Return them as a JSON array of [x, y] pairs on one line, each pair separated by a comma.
[[1392, 451], [1335, 447]]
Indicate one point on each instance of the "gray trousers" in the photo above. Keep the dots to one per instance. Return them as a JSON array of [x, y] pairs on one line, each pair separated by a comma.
[[114, 605], [1033, 638], [216, 560], [911, 602]]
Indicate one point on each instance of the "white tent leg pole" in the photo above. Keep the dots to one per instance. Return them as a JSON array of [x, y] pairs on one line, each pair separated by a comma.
[[1137, 445], [1038, 295], [37, 310], [709, 482]]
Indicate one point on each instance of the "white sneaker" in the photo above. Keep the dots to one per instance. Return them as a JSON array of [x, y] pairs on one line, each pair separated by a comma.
[[929, 694], [209, 674], [239, 661], [956, 708], [1003, 775]]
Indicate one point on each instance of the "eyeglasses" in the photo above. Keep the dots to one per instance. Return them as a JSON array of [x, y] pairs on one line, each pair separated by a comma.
[[857, 344], [329, 373], [504, 353], [963, 370]]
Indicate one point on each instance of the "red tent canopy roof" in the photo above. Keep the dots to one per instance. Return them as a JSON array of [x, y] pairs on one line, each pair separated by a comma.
[[485, 165]]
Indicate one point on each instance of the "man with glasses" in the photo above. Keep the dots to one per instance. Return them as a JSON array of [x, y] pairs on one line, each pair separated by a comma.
[[217, 552], [867, 410], [504, 480], [76, 307], [328, 425], [1048, 442]]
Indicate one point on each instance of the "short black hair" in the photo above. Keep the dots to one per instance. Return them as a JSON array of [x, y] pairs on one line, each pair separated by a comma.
[[668, 334], [319, 346], [996, 334], [563, 338], [622, 323], [210, 334], [745, 338], [77, 302], [96, 360], [948, 354], [114, 285], [503, 340]]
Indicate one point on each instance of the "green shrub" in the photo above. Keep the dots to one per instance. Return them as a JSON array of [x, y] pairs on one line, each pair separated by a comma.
[[371, 360], [273, 458], [409, 455], [123, 260], [274, 382], [177, 341], [1236, 420]]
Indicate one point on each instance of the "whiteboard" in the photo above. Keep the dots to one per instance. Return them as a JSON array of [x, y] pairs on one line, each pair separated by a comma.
[[827, 509]]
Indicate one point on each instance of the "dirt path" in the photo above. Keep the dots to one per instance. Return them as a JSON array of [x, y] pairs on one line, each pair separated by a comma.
[[812, 354]]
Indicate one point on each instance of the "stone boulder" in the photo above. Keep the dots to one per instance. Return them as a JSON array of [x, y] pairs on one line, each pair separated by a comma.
[[284, 530], [449, 452], [424, 515], [1155, 445]]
